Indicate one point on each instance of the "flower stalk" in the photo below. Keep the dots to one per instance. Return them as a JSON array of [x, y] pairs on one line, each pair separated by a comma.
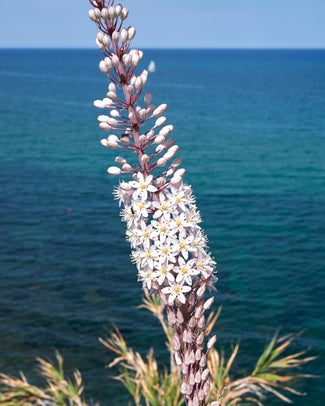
[[168, 245]]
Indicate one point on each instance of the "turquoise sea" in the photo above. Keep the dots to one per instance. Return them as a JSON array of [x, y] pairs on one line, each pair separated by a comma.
[[251, 129]]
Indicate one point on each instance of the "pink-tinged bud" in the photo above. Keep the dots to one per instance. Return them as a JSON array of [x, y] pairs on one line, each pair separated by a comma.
[[103, 68], [107, 101], [183, 388], [160, 148], [124, 13], [125, 139], [203, 361], [217, 403], [179, 316], [206, 388], [192, 359], [151, 108], [115, 37], [99, 104], [118, 10], [192, 322], [125, 186], [201, 291], [104, 142], [205, 375], [102, 118], [198, 354], [184, 369], [100, 36], [111, 12], [163, 298], [159, 139], [135, 59], [200, 339], [198, 377], [201, 322], [108, 63], [208, 303], [187, 358], [104, 126], [180, 173], [111, 95], [166, 130], [97, 13], [191, 299], [189, 389], [178, 359], [171, 152], [140, 54], [161, 162], [196, 401], [176, 342], [171, 317], [131, 33], [198, 311], [127, 168], [120, 160], [114, 113], [104, 13], [169, 143], [142, 139], [211, 342], [159, 110], [176, 162], [192, 379], [138, 83], [106, 41], [91, 14], [127, 60], [99, 44], [112, 138], [112, 87], [114, 170], [160, 121], [201, 395], [148, 98], [175, 180], [124, 36], [115, 60], [112, 144], [112, 122], [144, 158], [130, 90], [160, 182]]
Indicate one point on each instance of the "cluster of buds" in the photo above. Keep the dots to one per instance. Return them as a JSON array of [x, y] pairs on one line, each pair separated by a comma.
[[168, 245]]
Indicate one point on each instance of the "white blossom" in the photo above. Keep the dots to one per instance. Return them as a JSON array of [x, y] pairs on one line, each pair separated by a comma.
[[176, 290]]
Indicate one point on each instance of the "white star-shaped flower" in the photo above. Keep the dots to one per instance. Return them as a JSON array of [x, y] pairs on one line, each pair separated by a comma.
[[185, 271], [163, 271], [176, 290], [142, 186]]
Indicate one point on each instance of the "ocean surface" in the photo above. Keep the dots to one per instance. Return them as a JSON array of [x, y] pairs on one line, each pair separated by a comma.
[[251, 129]]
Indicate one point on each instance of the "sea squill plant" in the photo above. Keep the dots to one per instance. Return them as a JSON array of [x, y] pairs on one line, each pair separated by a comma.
[[168, 245]]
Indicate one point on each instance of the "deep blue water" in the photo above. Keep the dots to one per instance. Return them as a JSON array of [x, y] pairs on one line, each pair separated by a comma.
[[251, 127]]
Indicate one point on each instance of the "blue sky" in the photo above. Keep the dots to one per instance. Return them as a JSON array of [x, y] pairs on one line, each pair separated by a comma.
[[170, 23]]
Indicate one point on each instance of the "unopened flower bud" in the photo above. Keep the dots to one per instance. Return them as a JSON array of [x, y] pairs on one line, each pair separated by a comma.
[[176, 342], [206, 388], [103, 68], [171, 152], [208, 303], [159, 110], [201, 395], [205, 375], [201, 291], [144, 158], [142, 139], [171, 317], [124, 13], [111, 95], [201, 322], [176, 162], [175, 180], [180, 173], [99, 44], [159, 139], [120, 160], [192, 358], [179, 316], [135, 59], [125, 139], [106, 41], [108, 63], [166, 130], [104, 13], [138, 83], [111, 12], [140, 54], [124, 36], [211, 342], [127, 168], [105, 126], [184, 369], [127, 60], [161, 162], [131, 33], [192, 322], [112, 87], [115, 37], [99, 104], [203, 361], [192, 379], [198, 354], [196, 401], [91, 14], [200, 339], [160, 121], [183, 388], [97, 13], [114, 170], [118, 10], [198, 311], [148, 98], [115, 60]]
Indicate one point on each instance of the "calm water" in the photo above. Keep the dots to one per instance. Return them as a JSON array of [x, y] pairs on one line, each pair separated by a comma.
[[251, 126]]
